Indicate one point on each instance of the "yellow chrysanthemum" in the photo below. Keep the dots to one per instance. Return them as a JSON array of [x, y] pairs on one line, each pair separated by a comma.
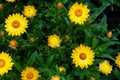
[[117, 61], [55, 77], [5, 63], [10, 0], [30, 74], [78, 13], [16, 24], [54, 41], [29, 11], [82, 56], [105, 67], [62, 68], [13, 44]]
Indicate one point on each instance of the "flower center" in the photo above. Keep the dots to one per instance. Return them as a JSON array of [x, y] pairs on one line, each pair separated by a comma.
[[2, 63], [82, 56], [78, 12], [30, 75], [15, 23]]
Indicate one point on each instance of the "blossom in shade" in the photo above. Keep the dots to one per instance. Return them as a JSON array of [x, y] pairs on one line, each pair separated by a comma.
[[13, 44], [62, 68], [117, 61], [54, 41], [55, 77], [29, 11], [10, 0], [105, 67]]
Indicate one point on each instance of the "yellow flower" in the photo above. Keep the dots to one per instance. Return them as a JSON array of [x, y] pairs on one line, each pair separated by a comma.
[[29, 11], [29, 74], [62, 68], [55, 77], [5, 63], [13, 44], [78, 13], [10, 0], [54, 41], [16, 24], [117, 61], [105, 67], [82, 56]]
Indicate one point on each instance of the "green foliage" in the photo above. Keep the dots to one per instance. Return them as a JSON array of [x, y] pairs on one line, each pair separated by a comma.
[[51, 20]]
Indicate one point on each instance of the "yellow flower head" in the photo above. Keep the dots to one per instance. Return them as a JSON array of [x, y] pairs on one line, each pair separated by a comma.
[[5, 63], [30, 74], [54, 41], [29, 11], [82, 56], [16, 24], [10, 0], [62, 68], [105, 67], [78, 13], [13, 43], [55, 77], [117, 61]]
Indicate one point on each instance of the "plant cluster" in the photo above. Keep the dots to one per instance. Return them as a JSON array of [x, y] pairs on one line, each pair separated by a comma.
[[58, 40]]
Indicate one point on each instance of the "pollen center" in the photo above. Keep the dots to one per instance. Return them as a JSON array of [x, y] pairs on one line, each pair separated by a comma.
[[2, 62], [30, 75], [78, 12], [82, 56], [15, 23]]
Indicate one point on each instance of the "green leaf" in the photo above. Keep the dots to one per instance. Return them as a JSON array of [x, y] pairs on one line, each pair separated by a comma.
[[40, 59], [106, 56], [94, 42], [32, 59], [18, 66], [104, 46], [99, 11], [49, 60], [117, 73]]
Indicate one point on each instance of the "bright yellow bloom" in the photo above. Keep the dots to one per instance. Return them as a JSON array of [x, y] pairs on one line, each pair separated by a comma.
[[117, 61], [55, 77], [62, 68], [5, 63], [13, 44], [10, 0], [105, 67], [29, 74], [16, 24], [78, 13], [82, 56], [54, 41], [29, 11]]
